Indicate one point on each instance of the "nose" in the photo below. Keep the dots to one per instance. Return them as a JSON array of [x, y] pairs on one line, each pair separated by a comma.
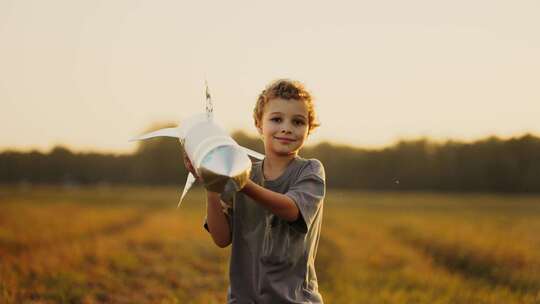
[[286, 128]]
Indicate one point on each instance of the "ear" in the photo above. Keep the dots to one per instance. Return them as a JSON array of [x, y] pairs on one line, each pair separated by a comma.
[[259, 127]]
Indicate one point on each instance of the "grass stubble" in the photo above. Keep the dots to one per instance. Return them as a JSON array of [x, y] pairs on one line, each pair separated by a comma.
[[130, 245]]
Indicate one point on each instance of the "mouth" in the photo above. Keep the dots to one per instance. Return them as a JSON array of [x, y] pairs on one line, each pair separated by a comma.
[[284, 139]]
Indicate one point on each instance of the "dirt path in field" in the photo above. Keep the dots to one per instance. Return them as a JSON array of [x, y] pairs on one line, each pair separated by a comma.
[[119, 227], [16, 246], [470, 263]]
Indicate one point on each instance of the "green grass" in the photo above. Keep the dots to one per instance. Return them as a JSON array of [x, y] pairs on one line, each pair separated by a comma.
[[131, 245]]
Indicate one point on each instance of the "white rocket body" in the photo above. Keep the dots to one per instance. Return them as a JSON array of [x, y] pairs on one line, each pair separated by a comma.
[[222, 164]]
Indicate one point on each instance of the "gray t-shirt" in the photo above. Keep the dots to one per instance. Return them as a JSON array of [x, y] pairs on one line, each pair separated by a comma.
[[272, 260]]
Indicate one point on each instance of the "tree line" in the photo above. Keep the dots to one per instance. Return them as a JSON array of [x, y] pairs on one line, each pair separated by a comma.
[[487, 165]]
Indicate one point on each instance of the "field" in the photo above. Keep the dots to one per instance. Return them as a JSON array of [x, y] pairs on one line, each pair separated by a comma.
[[130, 245]]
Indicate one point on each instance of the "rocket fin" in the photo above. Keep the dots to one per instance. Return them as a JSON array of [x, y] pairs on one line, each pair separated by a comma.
[[189, 182], [253, 154], [168, 132]]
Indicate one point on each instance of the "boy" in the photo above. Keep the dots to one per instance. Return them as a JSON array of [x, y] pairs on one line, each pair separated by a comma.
[[274, 222]]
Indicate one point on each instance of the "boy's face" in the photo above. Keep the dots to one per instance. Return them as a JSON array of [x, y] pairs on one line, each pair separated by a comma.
[[284, 126]]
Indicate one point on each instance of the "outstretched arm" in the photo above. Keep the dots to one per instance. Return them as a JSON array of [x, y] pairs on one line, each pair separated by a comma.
[[277, 203]]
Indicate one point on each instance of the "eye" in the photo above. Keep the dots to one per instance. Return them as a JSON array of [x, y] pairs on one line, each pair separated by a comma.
[[299, 122], [276, 119]]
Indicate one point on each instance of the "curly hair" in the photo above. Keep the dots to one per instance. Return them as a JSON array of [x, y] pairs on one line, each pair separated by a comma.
[[289, 90]]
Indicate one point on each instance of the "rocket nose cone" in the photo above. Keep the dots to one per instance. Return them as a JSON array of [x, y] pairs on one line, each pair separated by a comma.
[[226, 161]]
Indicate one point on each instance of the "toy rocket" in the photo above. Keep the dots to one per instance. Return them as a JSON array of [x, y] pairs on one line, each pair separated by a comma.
[[222, 164]]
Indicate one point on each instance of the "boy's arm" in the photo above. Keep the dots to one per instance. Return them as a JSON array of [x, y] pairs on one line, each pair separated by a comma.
[[279, 204], [218, 224]]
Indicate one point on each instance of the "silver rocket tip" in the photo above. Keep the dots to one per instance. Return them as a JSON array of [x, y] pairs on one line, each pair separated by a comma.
[[225, 167], [226, 161], [209, 105]]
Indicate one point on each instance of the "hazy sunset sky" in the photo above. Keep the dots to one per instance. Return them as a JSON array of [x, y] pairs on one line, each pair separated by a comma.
[[92, 74]]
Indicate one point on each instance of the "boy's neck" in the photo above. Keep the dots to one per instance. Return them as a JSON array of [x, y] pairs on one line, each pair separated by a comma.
[[274, 166]]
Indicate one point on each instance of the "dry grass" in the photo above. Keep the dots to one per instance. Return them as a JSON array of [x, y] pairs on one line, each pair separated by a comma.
[[130, 245]]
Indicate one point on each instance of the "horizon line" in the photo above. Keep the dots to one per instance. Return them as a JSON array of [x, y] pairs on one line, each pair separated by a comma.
[[440, 141]]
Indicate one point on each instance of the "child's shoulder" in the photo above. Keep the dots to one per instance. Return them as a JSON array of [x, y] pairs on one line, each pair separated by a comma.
[[302, 166], [312, 166], [314, 163]]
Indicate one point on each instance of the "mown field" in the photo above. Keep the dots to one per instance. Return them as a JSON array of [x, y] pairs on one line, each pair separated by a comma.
[[130, 245]]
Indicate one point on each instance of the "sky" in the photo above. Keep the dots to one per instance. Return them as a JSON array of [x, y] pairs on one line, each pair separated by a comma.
[[90, 75]]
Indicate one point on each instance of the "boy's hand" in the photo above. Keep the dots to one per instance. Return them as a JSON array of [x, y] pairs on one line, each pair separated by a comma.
[[189, 167]]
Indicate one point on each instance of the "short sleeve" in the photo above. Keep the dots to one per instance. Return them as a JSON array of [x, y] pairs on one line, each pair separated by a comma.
[[308, 193]]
